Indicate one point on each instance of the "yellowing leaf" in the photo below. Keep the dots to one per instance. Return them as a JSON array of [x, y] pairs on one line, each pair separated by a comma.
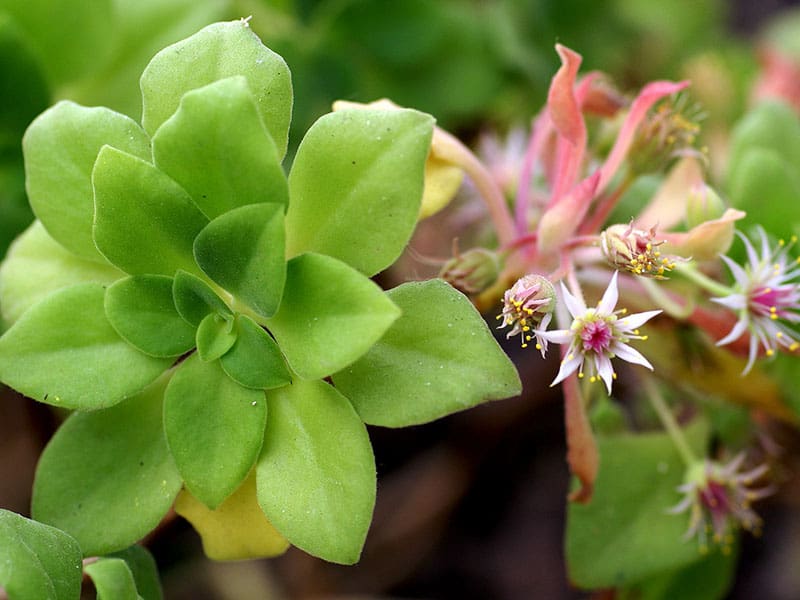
[[237, 529], [442, 180]]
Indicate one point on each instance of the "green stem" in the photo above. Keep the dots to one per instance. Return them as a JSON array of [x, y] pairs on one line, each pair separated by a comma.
[[668, 420], [690, 271], [663, 299]]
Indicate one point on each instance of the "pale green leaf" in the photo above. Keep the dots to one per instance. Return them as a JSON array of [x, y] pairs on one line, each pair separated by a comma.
[[141, 310], [356, 186], [37, 562], [106, 477], [329, 316], [214, 429], [144, 222], [217, 148], [316, 474], [243, 251], [216, 52], [112, 579], [63, 351], [36, 266], [437, 358], [60, 149]]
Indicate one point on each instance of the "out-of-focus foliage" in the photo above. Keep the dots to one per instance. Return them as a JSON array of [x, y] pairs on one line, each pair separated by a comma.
[[466, 62]]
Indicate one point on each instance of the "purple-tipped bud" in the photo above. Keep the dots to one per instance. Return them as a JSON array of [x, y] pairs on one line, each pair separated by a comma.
[[636, 251], [527, 308]]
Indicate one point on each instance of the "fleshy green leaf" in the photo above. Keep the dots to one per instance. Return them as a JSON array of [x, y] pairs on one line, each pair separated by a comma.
[[216, 52], [217, 148], [144, 570], [37, 561], [70, 39], [144, 222], [214, 429], [141, 310], [770, 126], [356, 186], [316, 473], [64, 352], [112, 579], [329, 316], [106, 477], [707, 579], [194, 299], [437, 358], [243, 251], [60, 149], [215, 336], [143, 28], [254, 360], [765, 174], [625, 534], [36, 266], [23, 90]]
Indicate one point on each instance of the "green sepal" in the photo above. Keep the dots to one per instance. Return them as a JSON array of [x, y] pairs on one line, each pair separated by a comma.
[[194, 298], [141, 310], [63, 351], [106, 477], [36, 266], [217, 52], [112, 579], [254, 360], [144, 570], [144, 222], [37, 561], [60, 149], [244, 252], [626, 534], [329, 316], [214, 428], [439, 357], [217, 148], [215, 336], [316, 474], [356, 186]]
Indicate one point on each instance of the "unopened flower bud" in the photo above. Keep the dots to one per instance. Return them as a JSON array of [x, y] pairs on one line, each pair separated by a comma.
[[528, 306], [636, 251], [703, 204], [473, 271]]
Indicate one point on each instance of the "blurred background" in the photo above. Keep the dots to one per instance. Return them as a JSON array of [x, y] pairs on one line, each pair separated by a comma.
[[473, 505]]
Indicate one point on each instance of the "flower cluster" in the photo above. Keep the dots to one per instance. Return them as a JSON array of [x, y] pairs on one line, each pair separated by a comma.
[[528, 304], [766, 297], [597, 335], [718, 498], [636, 251]]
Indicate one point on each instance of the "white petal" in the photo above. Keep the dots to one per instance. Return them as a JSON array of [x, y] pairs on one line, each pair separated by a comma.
[[568, 367], [638, 319], [610, 297], [604, 370], [738, 330], [557, 336], [739, 274], [751, 252], [575, 306], [734, 301], [752, 355], [630, 355]]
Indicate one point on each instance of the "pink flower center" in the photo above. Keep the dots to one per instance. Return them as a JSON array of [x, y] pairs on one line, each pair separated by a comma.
[[767, 300], [596, 336]]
